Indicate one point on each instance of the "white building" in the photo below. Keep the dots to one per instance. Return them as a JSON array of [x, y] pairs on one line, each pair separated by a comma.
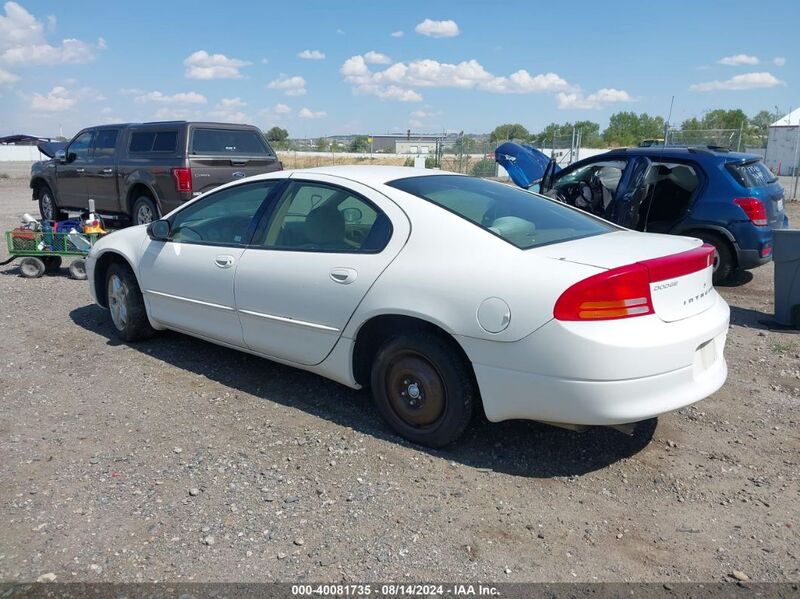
[[783, 144]]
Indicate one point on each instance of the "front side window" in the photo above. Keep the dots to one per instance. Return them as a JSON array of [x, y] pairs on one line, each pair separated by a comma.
[[105, 142], [318, 217], [222, 218], [79, 148], [521, 218]]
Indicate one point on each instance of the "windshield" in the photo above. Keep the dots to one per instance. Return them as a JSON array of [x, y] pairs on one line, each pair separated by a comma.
[[521, 218]]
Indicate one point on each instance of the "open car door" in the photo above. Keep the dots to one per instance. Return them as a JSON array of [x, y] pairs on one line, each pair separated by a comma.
[[632, 196]]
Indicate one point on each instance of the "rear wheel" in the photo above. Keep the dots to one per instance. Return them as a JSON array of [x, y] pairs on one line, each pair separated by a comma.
[[144, 211], [47, 205], [423, 388], [724, 260], [126, 304], [31, 267]]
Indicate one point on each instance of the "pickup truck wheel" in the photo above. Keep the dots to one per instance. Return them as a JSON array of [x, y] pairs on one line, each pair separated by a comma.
[[47, 205], [126, 304], [144, 211]]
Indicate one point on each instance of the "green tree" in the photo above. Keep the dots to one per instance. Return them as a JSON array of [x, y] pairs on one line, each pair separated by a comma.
[[509, 131], [484, 168], [465, 144], [277, 134], [628, 128], [321, 144], [359, 144]]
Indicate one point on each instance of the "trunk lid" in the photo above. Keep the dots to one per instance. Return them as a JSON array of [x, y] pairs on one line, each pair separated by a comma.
[[679, 270]]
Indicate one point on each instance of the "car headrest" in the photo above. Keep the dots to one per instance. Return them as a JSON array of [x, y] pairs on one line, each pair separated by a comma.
[[684, 177], [325, 225]]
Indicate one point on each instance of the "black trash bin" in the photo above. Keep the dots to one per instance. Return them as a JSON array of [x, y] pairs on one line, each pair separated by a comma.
[[786, 255]]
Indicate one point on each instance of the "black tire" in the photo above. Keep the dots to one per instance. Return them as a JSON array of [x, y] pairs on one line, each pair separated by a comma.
[[31, 267], [48, 208], [77, 269], [724, 259], [51, 263], [144, 211], [423, 388], [130, 322]]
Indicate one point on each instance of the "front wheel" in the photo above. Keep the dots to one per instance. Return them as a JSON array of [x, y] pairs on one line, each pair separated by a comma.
[[47, 205], [126, 304], [423, 388]]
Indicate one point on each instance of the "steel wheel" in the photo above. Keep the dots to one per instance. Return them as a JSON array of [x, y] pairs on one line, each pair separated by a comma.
[[118, 301], [415, 390]]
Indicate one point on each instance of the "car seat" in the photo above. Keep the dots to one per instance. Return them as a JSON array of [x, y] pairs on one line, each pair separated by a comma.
[[324, 228]]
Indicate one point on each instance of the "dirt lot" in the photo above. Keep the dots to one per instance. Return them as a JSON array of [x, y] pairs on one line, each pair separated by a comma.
[[178, 460]]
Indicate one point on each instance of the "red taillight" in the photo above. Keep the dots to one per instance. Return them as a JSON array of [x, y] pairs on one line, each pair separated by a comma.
[[624, 292], [754, 210], [183, 179]]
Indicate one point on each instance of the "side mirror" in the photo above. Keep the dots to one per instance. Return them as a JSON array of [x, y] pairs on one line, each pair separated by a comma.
[[158, 230], [61, 156]]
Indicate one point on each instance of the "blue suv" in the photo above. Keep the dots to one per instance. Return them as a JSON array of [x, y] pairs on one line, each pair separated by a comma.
[[728, 199]]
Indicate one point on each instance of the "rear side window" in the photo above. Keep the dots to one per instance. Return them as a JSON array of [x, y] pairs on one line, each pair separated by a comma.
[[229, 142], [105, 142], [521, 218], [752, 174], [153, 141]]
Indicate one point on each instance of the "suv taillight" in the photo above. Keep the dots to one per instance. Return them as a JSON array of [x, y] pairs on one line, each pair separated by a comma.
[[624, 292], [754, 210], [183, 179]]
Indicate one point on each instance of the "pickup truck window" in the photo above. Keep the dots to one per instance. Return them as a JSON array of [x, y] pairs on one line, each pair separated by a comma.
[[224, 142], [105, 142], [79, 148], [153, 141]]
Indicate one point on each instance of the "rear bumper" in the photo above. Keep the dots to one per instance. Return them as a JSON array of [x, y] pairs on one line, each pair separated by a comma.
[[605, 373], [749, 259]]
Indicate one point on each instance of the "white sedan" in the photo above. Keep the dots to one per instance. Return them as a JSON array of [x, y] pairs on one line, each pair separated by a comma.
[[438, 291]]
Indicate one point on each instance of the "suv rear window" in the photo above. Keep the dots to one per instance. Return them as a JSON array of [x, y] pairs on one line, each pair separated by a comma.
[[225, 142], [521, 218], [153, 141], [752, 174]]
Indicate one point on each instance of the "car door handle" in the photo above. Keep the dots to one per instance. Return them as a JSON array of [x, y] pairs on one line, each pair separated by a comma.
[[224, 261], [80, 170], [108, 171], [343, 276]]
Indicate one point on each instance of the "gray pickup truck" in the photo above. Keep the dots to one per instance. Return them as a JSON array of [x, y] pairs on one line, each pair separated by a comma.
[[137, 172]]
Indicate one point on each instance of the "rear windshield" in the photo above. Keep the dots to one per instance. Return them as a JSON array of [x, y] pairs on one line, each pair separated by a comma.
[[522, 218], [225, 142], [752, 174], [153, 141]]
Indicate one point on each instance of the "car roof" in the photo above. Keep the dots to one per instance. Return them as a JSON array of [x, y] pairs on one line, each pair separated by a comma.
[[372, 175], [698, 153]]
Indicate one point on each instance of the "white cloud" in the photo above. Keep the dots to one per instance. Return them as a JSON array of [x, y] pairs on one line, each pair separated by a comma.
[[779, 61], [397, 34], [311, 55], [57, 99], [433, 28], [340, 32], [373, 57], [264, 61], [282, 109], [101, 43], [395, 81], [739, 82], [171, 113], [738, 60], [179, 98], [291, 86], [305, 113], [202, 65], [23, 42], [229, 110], [595, 101], [7, 78]]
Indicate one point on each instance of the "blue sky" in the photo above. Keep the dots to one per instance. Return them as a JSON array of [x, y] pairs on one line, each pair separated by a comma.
[[319, 68]]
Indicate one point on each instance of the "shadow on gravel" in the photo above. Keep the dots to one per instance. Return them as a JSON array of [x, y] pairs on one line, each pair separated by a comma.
[[520, 448], [753, 319], [737, 279]]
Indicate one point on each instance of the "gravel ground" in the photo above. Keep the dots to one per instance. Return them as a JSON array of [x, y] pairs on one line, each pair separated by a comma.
[[178, 460]]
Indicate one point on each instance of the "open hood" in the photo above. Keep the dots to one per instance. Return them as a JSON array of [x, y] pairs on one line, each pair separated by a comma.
[[525, 164], [49, 148]]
